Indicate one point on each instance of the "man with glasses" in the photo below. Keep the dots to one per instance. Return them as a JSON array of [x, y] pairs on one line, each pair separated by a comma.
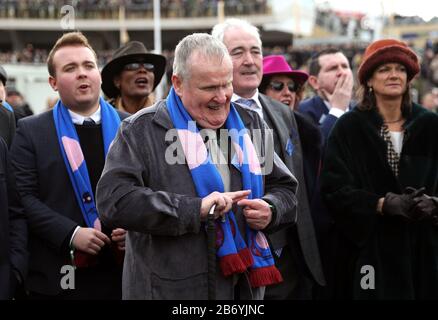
[[295, 249], [129, 79]]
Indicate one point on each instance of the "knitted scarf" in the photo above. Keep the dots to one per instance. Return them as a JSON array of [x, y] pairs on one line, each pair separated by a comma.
[[75, 163], [6, 105], [234, 254]]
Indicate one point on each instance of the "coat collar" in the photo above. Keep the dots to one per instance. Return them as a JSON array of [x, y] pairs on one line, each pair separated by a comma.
[[377, 120]]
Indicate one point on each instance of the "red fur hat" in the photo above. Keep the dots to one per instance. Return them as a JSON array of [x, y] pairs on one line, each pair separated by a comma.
[[387, 51]]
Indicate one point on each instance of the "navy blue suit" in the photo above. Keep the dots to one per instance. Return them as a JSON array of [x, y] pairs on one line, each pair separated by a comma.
[[317, 110], [13, 229], [50, 203]]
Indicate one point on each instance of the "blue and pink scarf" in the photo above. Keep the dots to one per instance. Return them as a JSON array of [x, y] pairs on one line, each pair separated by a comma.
[[235, 255], [74, 158]]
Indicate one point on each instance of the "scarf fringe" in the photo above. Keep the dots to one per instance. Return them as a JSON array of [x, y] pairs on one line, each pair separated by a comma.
[[264, 276], [84, 260], [231, 263], [246, 256]]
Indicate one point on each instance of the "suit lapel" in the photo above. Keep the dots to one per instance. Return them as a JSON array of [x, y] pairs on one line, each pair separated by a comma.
[[275, 116]]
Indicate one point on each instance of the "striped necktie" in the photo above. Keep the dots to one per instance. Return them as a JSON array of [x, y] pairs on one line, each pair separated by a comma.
[[246, 102], [218, 159]]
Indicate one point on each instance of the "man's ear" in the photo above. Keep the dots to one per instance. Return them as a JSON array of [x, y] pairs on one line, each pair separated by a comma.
[[177, 83], [52, 82], [313, 82]]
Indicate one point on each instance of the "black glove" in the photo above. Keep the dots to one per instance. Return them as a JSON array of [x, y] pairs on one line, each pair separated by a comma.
[[401, 204], [426, 207]]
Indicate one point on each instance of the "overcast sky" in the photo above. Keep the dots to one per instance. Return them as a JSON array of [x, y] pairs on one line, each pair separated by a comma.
[[426, 9]]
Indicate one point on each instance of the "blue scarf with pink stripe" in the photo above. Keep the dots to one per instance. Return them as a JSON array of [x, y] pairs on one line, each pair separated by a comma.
[[74, 159], [235, 255]]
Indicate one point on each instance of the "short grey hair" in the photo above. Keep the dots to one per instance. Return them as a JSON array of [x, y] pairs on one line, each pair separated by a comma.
[[219, 29], [202, 43]]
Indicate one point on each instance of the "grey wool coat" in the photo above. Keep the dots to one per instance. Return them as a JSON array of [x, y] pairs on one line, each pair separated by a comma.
[[156, 202]]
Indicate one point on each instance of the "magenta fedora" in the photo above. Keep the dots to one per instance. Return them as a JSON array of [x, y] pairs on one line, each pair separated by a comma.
[[277, 64]]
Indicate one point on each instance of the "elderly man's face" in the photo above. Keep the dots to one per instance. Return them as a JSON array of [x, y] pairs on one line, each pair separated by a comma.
[[247, 57], [207, 93]]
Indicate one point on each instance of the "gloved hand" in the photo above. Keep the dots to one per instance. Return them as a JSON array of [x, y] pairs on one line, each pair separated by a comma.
[[426, 207], [401, 204]]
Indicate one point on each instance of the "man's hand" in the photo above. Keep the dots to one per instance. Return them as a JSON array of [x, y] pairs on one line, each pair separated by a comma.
[[257, 212], [341, 96], [224, 201], [89, 240], [118, 236]]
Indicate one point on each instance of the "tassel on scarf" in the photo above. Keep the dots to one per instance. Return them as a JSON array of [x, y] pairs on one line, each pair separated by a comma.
[[260, 277]]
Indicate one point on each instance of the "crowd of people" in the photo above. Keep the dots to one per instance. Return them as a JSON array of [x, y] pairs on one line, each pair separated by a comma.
[[298, 58], [235, 186], [109, 9]]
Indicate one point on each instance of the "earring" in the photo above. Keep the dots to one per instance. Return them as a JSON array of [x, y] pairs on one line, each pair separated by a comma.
[[370, 90]]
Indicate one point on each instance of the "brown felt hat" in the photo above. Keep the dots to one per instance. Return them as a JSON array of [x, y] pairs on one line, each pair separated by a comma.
[[133, 51], [387, 51]]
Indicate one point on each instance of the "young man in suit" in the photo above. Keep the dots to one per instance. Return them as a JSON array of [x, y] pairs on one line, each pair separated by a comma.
[[296, 250], [58, 158], [332, 79]]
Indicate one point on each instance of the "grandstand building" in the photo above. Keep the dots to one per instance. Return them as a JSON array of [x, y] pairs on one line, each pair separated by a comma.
[[29, 28]]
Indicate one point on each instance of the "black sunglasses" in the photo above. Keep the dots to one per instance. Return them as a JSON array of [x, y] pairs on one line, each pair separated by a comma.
[[278, 86], [137, 65]]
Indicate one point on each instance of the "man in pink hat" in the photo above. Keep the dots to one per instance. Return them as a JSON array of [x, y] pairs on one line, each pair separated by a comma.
[[295, 248]]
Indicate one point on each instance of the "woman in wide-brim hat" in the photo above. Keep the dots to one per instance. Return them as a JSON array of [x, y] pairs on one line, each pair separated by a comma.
[[379, 158], [281, 82], [132, 75]]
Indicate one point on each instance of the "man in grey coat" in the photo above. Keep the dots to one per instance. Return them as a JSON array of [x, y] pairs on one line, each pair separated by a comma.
[[146, 189]]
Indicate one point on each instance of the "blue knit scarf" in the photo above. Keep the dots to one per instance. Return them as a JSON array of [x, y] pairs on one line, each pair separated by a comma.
[[6, 105], [235, 255], [74, 159]]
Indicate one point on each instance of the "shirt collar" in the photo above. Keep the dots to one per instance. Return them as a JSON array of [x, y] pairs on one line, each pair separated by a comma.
[[255, 97], [327, 104], [79, 119]]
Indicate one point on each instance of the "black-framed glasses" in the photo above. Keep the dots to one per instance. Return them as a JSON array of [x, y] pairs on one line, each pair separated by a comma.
[[278, 86], [137, 65]]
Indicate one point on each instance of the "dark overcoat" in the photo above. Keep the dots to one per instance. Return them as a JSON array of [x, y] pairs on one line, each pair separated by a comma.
[[403, 255]]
